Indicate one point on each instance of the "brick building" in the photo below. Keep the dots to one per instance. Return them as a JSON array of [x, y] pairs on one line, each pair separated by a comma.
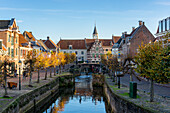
[[9, 36], [128, 44]]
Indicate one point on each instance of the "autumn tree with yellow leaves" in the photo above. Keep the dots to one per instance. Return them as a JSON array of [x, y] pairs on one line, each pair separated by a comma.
[[153, 63], [61, 59], [72, 57], [39, 64], [4, 66], [46, 64], [29, 63], [54, 61]]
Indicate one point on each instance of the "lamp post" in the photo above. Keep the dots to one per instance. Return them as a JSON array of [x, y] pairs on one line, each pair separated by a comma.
[[19, 63], [119, 59]]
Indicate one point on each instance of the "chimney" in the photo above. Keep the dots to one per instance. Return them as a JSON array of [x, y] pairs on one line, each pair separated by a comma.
[[133, 28], [140, 22], [48, 37], [31, 32], [143, 23]]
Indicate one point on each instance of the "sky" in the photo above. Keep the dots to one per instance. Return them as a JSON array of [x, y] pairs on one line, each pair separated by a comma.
[[75, 19]]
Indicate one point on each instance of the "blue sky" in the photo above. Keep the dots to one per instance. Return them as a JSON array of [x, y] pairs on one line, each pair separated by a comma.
[[76, 18]]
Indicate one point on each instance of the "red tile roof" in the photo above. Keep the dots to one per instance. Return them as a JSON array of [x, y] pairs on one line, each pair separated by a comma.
[[30, 36], [115, 38], [22, 40], [50, 44], [106, 42], [76, 44]]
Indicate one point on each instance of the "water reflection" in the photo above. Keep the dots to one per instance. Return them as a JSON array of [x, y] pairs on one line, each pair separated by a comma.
[[83, 98]]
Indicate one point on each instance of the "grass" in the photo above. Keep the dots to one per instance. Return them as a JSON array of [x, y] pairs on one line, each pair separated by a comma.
[[6, 98], [115, 89]]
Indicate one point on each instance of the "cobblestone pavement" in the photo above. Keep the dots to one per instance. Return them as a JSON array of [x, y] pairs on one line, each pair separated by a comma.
[[14, 93], [34, 76], [160, 104], [144, 85]]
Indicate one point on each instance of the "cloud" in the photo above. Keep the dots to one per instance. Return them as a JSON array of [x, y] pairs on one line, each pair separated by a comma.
[[163, 3], [19, 21], [76, 11]]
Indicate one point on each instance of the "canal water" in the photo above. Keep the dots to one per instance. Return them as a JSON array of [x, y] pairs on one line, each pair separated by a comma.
[[82, 98]]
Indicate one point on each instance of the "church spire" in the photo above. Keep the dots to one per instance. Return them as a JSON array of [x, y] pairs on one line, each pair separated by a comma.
[[95, 34]]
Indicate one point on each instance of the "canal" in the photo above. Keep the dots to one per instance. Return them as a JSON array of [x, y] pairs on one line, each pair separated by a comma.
[[82, 98]]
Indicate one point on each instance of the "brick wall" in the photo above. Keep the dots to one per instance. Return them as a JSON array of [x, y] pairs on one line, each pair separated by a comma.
[[142, 35]]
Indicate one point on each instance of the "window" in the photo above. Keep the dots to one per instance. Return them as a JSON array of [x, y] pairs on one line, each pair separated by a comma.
[[97, 48], [21, 53], [163, 25], [76, 52], [110, 49], [0, 44], [82, 52], [12, 52], [93, 55], [82, 58], [16, 40], [9, 38], [106, 49], [97, 55], [9, 51], [16, 51], [70, 46], [168, 24], [12, 40]]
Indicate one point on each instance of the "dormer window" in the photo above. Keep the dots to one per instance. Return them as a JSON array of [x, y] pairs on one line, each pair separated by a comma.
[[0, 44], [70, 46], [111, 43]]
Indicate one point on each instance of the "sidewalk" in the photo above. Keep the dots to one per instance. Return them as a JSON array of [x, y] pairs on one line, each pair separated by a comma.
[[160, 104], [143, 85], [14, 93]]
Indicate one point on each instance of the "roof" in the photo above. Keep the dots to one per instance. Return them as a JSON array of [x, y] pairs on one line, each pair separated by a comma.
[[95, 30], [22, 41], [30, 36], [76, 44], [50, 44], [115, 38], [42, 44], [105, 42], [5, 24]]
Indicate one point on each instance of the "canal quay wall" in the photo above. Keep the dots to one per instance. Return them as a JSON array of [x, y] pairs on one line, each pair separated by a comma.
[[29, 102], [116, 103], [120, 105]]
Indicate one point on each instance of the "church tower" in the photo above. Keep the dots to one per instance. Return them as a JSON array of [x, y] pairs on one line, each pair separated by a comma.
[[95, 34]]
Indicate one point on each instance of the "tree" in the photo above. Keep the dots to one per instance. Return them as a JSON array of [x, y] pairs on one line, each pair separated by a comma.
[[61, 59], [46, 60], [72, 57], [153, 63], [54, 61], [29, 63], [67, 58], [5, 66], [39, 64]]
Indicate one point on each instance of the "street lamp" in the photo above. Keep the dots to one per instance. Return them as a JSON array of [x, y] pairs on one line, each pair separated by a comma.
[[119, 59], [19, 63]]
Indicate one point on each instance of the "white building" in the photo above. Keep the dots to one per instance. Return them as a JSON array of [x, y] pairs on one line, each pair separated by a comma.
[[74, 46]]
